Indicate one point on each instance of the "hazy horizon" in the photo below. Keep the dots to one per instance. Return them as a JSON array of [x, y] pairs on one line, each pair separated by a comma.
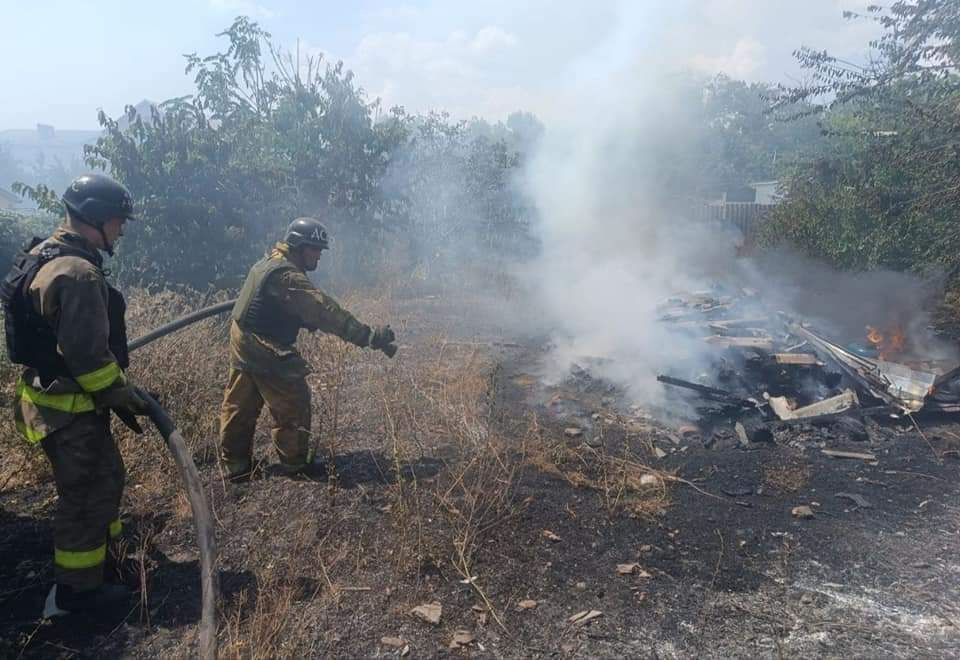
[[461, 58]]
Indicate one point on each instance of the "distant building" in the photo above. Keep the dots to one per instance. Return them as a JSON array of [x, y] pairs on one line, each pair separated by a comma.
[[724, 193], [46, 145], [143, 110], [8, 200], [744, 207], [767, 192]]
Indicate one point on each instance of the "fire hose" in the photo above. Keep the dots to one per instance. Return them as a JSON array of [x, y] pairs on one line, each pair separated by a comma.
[[202, 515], [181, 322]]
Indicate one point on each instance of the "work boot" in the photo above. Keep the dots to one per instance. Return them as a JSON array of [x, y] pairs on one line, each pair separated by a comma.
[[63, 600], [240, 477], [312, 470], [239, 474]]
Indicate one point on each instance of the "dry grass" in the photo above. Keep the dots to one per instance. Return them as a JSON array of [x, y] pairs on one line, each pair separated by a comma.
[[448, 482], [788, 476], [266, 620], [441, 409], [623, 483], [411, 412]]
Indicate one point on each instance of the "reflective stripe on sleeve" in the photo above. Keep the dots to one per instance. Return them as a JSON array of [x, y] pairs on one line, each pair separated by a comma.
[[116, 528], [101, 378], [33, 436], [75, 402]]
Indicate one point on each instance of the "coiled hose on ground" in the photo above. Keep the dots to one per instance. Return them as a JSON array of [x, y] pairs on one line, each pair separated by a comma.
[[202, 515]]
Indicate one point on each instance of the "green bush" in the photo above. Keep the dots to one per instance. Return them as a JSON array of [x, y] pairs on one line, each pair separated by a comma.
[[16, 229], [883, 191]]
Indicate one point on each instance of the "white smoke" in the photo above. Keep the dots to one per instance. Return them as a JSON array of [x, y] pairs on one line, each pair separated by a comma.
[[611, 181], [614, 242]]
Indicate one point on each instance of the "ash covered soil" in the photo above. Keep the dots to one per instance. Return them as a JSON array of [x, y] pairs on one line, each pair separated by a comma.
[[587, 505]]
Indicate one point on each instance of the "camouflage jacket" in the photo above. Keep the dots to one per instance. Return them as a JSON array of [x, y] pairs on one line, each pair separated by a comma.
[[313, 310]]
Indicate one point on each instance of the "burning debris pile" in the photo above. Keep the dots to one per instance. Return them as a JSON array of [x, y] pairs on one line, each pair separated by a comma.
[[770, 369]]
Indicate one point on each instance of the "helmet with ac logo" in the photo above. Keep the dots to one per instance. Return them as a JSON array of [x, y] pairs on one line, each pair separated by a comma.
[[307, 231]]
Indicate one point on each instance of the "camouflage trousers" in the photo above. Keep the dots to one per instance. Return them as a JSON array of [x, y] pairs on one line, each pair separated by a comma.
[[89, 474], [288, 400]]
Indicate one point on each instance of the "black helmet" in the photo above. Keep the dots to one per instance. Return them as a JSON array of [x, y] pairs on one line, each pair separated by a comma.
[[307, 231], [95, 198]]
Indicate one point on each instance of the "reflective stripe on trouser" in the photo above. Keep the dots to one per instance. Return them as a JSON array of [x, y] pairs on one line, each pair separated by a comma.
[[288, 400], [89, 474]]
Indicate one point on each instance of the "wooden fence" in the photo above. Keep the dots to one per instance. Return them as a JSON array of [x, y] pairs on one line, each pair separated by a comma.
[[746, 216]]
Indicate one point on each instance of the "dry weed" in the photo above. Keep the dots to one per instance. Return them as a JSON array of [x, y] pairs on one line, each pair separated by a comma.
[[449, 479], [266, 620], [623, 483], [790, 476], [439, 409]]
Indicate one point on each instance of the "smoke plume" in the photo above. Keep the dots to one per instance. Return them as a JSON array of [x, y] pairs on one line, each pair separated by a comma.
[[610, 186], [612, 181]]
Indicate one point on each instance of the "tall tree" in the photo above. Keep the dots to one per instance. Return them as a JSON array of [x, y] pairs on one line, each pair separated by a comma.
[[267, 136], [885, 190]]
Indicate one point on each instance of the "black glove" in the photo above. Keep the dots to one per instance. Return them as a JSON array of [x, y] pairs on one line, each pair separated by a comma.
[[124, 397], [382, 340], [129, 420], [125, 401]]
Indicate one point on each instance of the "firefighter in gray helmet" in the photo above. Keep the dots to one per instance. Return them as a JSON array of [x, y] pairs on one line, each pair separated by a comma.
[[276, 301], [65, 324]]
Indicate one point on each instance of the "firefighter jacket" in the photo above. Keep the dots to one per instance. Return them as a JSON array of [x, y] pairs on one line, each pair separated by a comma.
[[70, 295], [276, 301]]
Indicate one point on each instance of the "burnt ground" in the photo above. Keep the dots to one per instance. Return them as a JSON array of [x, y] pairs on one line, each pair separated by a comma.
[[733, 573], [723, 568]]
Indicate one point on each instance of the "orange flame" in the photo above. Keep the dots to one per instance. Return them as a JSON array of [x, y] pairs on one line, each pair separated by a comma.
[[889, 344]]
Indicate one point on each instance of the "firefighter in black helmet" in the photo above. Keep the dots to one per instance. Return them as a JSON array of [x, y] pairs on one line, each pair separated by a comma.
[[65, 324], [276, 301], [95, 199]]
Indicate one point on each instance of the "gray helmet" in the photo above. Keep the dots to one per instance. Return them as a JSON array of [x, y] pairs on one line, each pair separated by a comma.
[[96, 198], [307, 231]]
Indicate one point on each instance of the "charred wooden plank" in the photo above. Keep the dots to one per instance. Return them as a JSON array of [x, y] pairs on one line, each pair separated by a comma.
[[709, 392]]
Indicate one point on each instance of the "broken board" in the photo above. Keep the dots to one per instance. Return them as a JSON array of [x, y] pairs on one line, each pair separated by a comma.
[[797, 359], [835, 404]]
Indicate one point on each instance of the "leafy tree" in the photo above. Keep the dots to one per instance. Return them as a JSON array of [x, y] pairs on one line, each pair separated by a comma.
[[267, 136], [46, 199], [231, 165], [884, 190], [744, 142], [16, 229], [453, 191]]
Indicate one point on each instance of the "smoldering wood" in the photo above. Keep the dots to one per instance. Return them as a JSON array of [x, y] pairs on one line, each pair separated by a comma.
[[764, 344], [797, 359], [835, 404], [712, 393]]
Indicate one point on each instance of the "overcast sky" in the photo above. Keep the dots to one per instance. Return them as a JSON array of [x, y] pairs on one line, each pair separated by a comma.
[[61, 60]]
